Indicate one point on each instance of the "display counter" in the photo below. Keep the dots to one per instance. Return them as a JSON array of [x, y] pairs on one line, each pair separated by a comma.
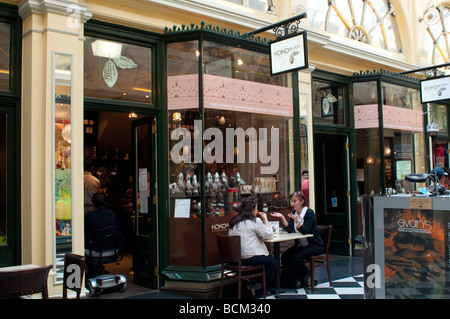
[[406, 247]]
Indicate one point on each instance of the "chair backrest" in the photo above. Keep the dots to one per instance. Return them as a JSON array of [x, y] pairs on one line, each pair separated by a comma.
[[107, 246], [325, 234], [69, 273], [108, 238], [229, 248], [17, 283]]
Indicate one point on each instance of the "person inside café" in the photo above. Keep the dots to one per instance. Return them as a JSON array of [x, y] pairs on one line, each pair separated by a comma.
[[305, 186], [253, 231], [302, 219], [91, 186], [96, 220]]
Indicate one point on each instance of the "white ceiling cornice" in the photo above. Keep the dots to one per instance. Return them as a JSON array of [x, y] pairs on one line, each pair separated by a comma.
[[234, 14], [346, 47]]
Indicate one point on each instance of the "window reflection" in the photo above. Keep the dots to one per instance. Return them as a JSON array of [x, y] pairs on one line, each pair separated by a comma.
[[4, 56], [63, 164], [117, 71], [404, 140], [3, 172], [328, 102], [242, 147]]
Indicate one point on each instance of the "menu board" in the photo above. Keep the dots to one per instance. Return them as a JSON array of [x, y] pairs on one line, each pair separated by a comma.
[[416, 251]]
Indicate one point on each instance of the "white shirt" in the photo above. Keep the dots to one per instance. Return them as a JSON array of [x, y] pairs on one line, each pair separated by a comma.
[[252, 235], [91, 186], [301, 216]]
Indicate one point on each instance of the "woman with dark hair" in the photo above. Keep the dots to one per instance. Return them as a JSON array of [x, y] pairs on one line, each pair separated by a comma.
[[303, 220], [253, 231]]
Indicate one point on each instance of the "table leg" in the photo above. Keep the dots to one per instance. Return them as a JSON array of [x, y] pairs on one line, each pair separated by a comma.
[[278, 290], [276, 251]]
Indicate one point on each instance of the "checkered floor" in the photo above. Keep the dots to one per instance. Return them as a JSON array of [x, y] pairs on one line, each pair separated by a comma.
[[346, 288]]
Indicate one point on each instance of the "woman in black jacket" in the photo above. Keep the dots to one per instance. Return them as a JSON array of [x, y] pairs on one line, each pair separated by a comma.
[[302, 219]]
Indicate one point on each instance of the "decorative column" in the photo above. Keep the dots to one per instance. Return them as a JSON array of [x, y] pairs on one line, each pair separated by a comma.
[[51, 28]]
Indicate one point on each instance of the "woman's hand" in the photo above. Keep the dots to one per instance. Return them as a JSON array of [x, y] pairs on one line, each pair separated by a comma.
[[264, 218], [294, 217], [279, 215]]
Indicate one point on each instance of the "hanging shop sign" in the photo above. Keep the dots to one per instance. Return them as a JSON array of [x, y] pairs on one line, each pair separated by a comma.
[[289, 54], [435, 89]]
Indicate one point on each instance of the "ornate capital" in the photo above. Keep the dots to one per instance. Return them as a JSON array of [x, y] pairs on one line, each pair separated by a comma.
[[63, 7]]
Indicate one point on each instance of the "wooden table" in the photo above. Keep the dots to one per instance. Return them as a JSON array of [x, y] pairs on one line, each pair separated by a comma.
[[276, 240], [52, 272], [25, 284]]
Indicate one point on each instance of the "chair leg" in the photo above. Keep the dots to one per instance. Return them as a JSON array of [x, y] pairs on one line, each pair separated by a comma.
[[239, 286], [264, 282], [328, 272], [311, 271], [221, 282]]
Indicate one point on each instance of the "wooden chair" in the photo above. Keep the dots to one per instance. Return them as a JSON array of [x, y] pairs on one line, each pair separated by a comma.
[[230, 258], [316, 261], [80, 261], [16, 283]]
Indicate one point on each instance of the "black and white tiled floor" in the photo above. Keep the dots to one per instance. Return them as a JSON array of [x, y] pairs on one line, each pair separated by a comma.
[[346, 288]]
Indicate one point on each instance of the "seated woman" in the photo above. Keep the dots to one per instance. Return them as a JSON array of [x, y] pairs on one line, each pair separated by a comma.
[[253, 231], [302, 219]]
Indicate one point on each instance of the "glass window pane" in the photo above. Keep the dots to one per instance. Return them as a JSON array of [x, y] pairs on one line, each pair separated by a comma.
[[254, 4], [328, 102], [403, 130], [3, 172], [117, 71], [248, 139], [367, 138], [183, 104], [404, 142], [257, 4], [439, 116], [63, 165], [4, 56], [244, 142]]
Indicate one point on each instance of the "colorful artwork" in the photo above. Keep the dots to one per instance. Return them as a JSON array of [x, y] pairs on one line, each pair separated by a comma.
[[63, 204], [416, 257]]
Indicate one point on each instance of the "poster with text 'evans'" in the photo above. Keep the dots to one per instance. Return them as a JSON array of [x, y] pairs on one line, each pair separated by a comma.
[[416, 253]]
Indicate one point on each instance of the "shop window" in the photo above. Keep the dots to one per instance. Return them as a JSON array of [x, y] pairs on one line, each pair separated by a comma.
[[261, 5], [439, 114], [242, 147], [403, 150], [4, 56], [63, 153], [117, 71], [328, 102], [3, 171], [304, 139]]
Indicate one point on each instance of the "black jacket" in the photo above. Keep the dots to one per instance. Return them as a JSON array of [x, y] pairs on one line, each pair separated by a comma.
[[309, 227], [96, 220]]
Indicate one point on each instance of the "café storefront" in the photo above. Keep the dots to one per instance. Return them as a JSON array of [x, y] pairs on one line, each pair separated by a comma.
[[204, 124], [231, 136], [212, 126]]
